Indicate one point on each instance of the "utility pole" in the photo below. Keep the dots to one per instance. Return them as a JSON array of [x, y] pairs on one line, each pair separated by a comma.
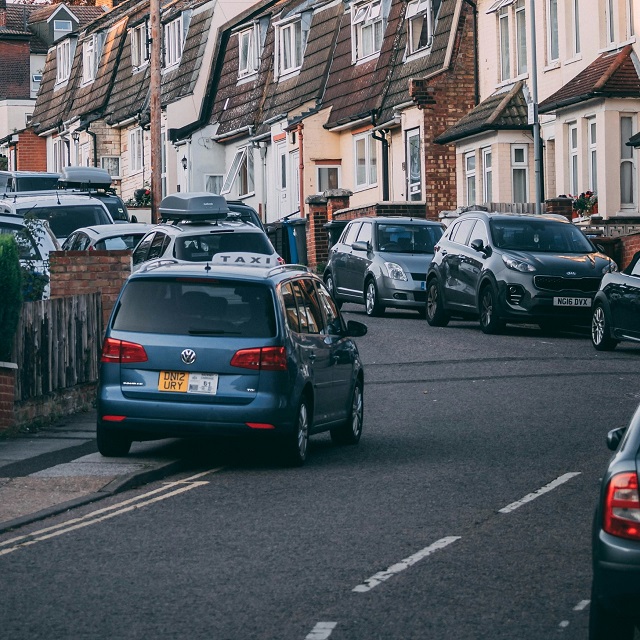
[[156, 109], [533, 115]]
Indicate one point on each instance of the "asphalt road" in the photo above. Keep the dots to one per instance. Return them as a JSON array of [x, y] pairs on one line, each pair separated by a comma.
[[464, 512]]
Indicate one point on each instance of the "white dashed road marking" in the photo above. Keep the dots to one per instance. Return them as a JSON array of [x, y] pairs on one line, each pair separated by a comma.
[[381, 576], [583, 604], [536, 494], [321, 631]]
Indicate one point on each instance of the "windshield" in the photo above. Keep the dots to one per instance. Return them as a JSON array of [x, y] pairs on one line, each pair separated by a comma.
[[546, 236], [27, 247], [64, 219], [188, 307], [408, 238], [202, 248]]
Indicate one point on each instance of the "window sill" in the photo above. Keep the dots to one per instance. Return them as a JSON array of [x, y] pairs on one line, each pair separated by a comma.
[[369, 58], [249, 77], [576, 58], [552, 67], [364, 187]]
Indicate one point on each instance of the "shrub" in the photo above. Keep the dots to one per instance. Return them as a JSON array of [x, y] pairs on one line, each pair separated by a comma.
[[10, 293]]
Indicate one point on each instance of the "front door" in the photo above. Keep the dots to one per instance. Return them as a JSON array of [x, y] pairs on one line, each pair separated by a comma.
[[282, 180]]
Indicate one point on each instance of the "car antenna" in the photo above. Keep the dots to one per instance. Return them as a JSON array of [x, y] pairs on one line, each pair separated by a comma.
[[58, 197], [207, 267]]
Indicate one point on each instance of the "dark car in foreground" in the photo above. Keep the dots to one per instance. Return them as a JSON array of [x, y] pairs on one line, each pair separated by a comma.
[[615, 593], [503, 267], [228, 349], [616, 308], [382, 262]]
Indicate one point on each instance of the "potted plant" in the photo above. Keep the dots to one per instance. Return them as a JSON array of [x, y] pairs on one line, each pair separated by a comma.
[[585, 204]]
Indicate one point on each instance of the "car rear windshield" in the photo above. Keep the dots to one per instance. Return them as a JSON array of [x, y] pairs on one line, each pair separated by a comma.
[[546, 236], [408, 238], [201, 248], [26, 244], [116, 208], [36, 183], [188, 306], [125, 241], [64, 219]]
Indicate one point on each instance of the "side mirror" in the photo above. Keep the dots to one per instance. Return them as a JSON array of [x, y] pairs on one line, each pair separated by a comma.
[[614, 437], [356, 329], [478, 245], [361, 246]]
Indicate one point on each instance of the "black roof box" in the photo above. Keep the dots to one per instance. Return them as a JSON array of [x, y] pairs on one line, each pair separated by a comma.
[[85, 177], [193, 206]]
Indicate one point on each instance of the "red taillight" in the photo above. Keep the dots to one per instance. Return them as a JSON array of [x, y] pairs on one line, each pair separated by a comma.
[[622, 507], [260, 425], [114, 418], [281, 260], [263, 359], [122, 351]]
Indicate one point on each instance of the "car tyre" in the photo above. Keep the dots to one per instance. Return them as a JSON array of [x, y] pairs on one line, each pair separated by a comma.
[[607, 625], [371, 299], [112, 444], [601, 331], [331, 286], [434, 308], [297, 443], [351, 430], [490, 321]]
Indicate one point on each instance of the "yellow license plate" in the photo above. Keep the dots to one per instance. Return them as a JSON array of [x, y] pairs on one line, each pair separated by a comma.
[[181, 382]]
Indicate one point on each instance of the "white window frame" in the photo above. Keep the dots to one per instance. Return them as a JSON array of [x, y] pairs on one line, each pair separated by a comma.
[[59, 154], [328, 167], [592, 141], [414, 187], [575, 21], [487, 175], [630, 19], [140, 45], [370, 161], [63, 61], [173, 42], [517, 167], [367, 30], [90, 58], [136, 150], [573, 141], [504, 40], [553, 31], [520, 21], [109, 164], [470, 184], [628, 158], [610, 21], [241, 167], [61, 27], [420, 12], [289, 51], [215, 178], [248, 61]]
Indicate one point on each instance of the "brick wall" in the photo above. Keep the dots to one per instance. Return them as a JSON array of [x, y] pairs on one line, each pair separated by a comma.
[[75, 272], [7, 395], [445, 99], [630, 245], [15, 83], [31, 152]]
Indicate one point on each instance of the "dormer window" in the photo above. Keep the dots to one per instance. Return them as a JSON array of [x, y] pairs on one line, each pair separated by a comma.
[[366, 30], [248, 55], [61, 28], [90, 58], [139, 46], [289, 47], [421, 15], [173, 42], [63, 61]]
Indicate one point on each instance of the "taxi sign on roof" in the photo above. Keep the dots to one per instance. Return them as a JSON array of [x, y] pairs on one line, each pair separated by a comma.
[[194, 206], [240, 259]]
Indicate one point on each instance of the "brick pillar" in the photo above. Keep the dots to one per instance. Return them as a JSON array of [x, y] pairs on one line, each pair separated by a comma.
[[7, 394], [336, 199], [317, 237], [561, 206]]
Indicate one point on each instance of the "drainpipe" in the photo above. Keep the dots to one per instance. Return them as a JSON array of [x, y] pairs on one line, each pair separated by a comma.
[[300, 170], [385, 159], [94, 138]]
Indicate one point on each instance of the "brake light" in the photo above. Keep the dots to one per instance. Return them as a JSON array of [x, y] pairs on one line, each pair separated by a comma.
[[622, 507], [261, 358], [281, 260], [121, 351]]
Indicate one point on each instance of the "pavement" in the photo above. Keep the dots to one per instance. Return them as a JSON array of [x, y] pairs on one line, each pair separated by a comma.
[[58, 467]]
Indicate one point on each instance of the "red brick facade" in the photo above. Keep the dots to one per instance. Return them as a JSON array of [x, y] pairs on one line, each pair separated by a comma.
[[14, 55], [31, 152], [7, 395]]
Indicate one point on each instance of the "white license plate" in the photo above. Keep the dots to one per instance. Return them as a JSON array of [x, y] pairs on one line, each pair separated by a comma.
[[180, 382], [571, 302]]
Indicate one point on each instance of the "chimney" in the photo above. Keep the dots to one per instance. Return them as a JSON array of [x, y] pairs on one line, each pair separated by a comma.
[[3, 13]]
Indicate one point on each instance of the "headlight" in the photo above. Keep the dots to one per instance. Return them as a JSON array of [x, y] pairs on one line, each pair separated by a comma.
[[517, 265], [395, 271], [610, 268]]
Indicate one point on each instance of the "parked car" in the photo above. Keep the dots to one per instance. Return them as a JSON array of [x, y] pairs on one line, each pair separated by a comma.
[[615, 591], [382, 262], [13, 181], [502, 267], [222, 349], [64, 212], [197, 227], [245, 212], [96, 183], [35, 242], [616, 308], [103, 237]]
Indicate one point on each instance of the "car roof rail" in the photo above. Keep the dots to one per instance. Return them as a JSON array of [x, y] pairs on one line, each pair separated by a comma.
[[288, 267]]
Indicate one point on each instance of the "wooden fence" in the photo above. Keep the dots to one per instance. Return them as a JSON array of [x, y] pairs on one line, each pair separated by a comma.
[[57, 344]]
